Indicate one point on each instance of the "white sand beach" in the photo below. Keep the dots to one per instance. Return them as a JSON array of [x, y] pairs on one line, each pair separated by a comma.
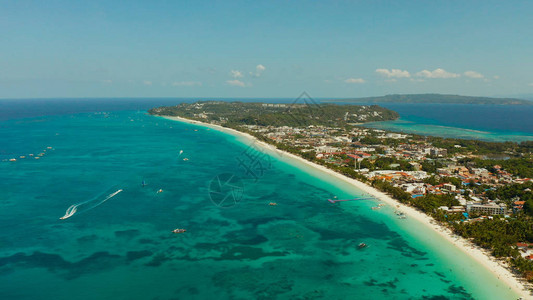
[[485, 259]]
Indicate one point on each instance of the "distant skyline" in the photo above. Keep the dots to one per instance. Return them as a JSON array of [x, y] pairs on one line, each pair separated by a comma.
[[259, 49]]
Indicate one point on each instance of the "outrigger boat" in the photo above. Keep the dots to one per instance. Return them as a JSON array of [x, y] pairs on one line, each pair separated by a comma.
[[179, 230], [400, 215]]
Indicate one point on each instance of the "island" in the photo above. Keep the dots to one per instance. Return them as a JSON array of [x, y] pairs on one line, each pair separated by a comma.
[[433, 98], [235, 114], [476, 191]]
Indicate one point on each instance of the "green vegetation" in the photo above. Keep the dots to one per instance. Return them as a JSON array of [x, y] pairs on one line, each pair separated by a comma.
[[436, 98], [431, 166], [500, 237], [429, 203], [232, 114], [463, 146], [395, 192], [523, 167], [386, 163], [511, 192]]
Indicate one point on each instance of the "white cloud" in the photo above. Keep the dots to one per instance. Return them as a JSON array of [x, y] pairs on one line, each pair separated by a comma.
[[236, 74], [393, 73], [437, 73], [187, 83], [108, 81], [496, 77], [259, 69], [355, 80], [531, 84], [473, 74], [236, 82], [147, 82]]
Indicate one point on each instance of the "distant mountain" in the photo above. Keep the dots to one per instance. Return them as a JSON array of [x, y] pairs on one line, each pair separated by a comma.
[[519, 96], [434, 98]]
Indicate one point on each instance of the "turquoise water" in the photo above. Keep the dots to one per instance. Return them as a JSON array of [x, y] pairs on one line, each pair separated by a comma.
[[495, 123], [123, 248], [408, 126]]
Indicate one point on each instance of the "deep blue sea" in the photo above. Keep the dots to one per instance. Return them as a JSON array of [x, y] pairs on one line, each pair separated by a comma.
[[129, 179]]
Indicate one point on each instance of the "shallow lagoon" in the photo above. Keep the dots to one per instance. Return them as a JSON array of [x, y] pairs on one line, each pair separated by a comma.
[[495, 123]]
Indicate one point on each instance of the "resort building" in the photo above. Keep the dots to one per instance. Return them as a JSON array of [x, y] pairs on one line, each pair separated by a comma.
[[487, 209]]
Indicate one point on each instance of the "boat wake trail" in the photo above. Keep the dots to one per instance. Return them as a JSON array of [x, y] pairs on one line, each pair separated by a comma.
[[87, 205]]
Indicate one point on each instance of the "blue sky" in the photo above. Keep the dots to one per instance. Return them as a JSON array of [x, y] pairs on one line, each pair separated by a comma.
[[264, 48]]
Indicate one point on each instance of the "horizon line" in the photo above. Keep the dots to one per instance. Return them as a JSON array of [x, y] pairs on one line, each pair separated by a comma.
[[293, 97]]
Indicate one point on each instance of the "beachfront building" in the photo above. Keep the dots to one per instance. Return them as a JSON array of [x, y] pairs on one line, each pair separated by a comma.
[[414, 188], [486, 209]]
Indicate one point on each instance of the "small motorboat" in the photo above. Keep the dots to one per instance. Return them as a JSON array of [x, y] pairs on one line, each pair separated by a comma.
[[160, 191], [361, 246], [272, 204], [179, 230], [185, 159]]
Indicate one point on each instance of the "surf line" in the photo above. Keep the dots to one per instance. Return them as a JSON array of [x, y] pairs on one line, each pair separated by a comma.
[[74, 208]]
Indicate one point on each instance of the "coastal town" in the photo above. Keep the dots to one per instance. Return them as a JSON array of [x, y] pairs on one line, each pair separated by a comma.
[[477, 189], [404, 165]]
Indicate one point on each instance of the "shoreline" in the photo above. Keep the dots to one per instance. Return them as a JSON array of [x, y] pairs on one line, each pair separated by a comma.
[[489, 262]]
